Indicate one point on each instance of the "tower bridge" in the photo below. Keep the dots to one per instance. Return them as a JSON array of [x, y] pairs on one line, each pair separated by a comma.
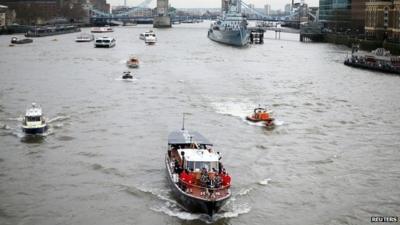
[[160, 17]]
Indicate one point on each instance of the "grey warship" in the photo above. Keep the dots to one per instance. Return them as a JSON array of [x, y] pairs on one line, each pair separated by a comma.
[[231, 28]]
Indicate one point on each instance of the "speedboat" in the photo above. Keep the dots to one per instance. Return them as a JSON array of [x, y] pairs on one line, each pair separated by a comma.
[[102, 30], [85, 38], [198, 181], [262, 115], [15, 40], [105, 42], [133, 62], [147, 34], [127, 75], [150, 40], [34, 122]]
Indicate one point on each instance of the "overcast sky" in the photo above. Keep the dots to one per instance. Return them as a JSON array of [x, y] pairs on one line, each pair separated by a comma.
[[275, 4]]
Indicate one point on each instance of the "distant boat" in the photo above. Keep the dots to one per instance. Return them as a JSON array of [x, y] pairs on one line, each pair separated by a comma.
[[15, 40], [101, 30], [150, 40], [149, 33], [34, 122], [133, 62], [105, 42], [85, 38], [127, 75]]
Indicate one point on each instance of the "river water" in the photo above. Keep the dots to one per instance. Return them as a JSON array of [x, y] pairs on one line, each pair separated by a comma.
[[333, 159]]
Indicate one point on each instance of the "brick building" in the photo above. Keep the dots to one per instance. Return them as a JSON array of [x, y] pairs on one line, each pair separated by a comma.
[[382, 20]]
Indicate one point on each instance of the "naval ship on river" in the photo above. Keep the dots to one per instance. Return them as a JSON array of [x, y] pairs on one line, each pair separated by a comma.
[[231, 28]]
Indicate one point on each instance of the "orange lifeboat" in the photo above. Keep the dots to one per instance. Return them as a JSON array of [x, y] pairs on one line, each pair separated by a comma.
[[261, 115]]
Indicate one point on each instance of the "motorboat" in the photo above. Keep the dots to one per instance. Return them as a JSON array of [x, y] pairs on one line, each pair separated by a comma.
[[127, 75], [133, 62], [85, 38], [262, 115], [198, 181], [15, 40], [105, 42], [147, 34], [34, 122], [150, 40], [102, 29]]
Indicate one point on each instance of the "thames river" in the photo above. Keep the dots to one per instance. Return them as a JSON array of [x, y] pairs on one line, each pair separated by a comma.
[[332, 159]]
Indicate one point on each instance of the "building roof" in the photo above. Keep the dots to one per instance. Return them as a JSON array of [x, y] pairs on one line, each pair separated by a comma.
[[186, 137]]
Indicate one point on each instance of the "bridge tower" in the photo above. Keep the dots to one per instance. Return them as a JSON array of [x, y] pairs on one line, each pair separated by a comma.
[[162, 19]]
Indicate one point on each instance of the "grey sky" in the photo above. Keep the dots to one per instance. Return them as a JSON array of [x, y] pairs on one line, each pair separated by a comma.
[[275, 4]]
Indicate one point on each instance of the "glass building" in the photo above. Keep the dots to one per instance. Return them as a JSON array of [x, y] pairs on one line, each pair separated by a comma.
[[340, 15]]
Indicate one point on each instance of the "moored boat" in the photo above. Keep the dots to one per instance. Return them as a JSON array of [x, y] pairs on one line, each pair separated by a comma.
[[85, 38], [34, 122], [231, 28], [52, 30], [261, 115], [133, 62], [377, 60], [15, 40], [195, 173]]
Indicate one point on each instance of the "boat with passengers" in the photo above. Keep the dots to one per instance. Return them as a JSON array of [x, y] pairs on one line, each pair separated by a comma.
[[195, 173], [34, 122], [146, 34]]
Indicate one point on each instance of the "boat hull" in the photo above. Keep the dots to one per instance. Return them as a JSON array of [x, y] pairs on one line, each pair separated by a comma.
[[235, 38], [374, 68], [37, 130], [193, 204]]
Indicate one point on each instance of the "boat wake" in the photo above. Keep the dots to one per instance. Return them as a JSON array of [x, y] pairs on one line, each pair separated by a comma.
[[240, 110], [231, 210], [58, 119], [126, 80]]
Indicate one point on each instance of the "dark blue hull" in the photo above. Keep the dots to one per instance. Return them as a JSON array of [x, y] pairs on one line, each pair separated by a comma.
[[349, 62], [235, 38], [35, 130]]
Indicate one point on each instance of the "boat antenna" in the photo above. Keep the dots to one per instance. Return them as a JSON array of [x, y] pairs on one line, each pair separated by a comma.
[[183, 121]]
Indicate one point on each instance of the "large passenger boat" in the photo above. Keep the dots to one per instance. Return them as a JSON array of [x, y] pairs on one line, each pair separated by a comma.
[[34, 122], [378, 60], [231, 29], [198, 180]]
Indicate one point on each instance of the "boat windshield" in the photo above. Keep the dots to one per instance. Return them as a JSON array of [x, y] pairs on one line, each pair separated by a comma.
[[32, 118], [200, 165]]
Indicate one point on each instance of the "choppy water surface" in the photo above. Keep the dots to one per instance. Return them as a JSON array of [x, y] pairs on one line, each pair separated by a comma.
[[333, 159]]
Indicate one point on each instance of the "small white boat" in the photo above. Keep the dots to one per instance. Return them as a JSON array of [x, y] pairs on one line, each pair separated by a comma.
[[133, 62], [34, 122], [150, 40], [147, 34], [85, 38], [101, 29], [105, 42]]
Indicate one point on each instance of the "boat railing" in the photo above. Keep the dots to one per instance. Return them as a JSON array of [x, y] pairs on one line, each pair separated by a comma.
[[206, 192]]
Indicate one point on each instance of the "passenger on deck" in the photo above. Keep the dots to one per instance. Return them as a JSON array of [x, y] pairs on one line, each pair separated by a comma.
[[204, 177], [226, 179]]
